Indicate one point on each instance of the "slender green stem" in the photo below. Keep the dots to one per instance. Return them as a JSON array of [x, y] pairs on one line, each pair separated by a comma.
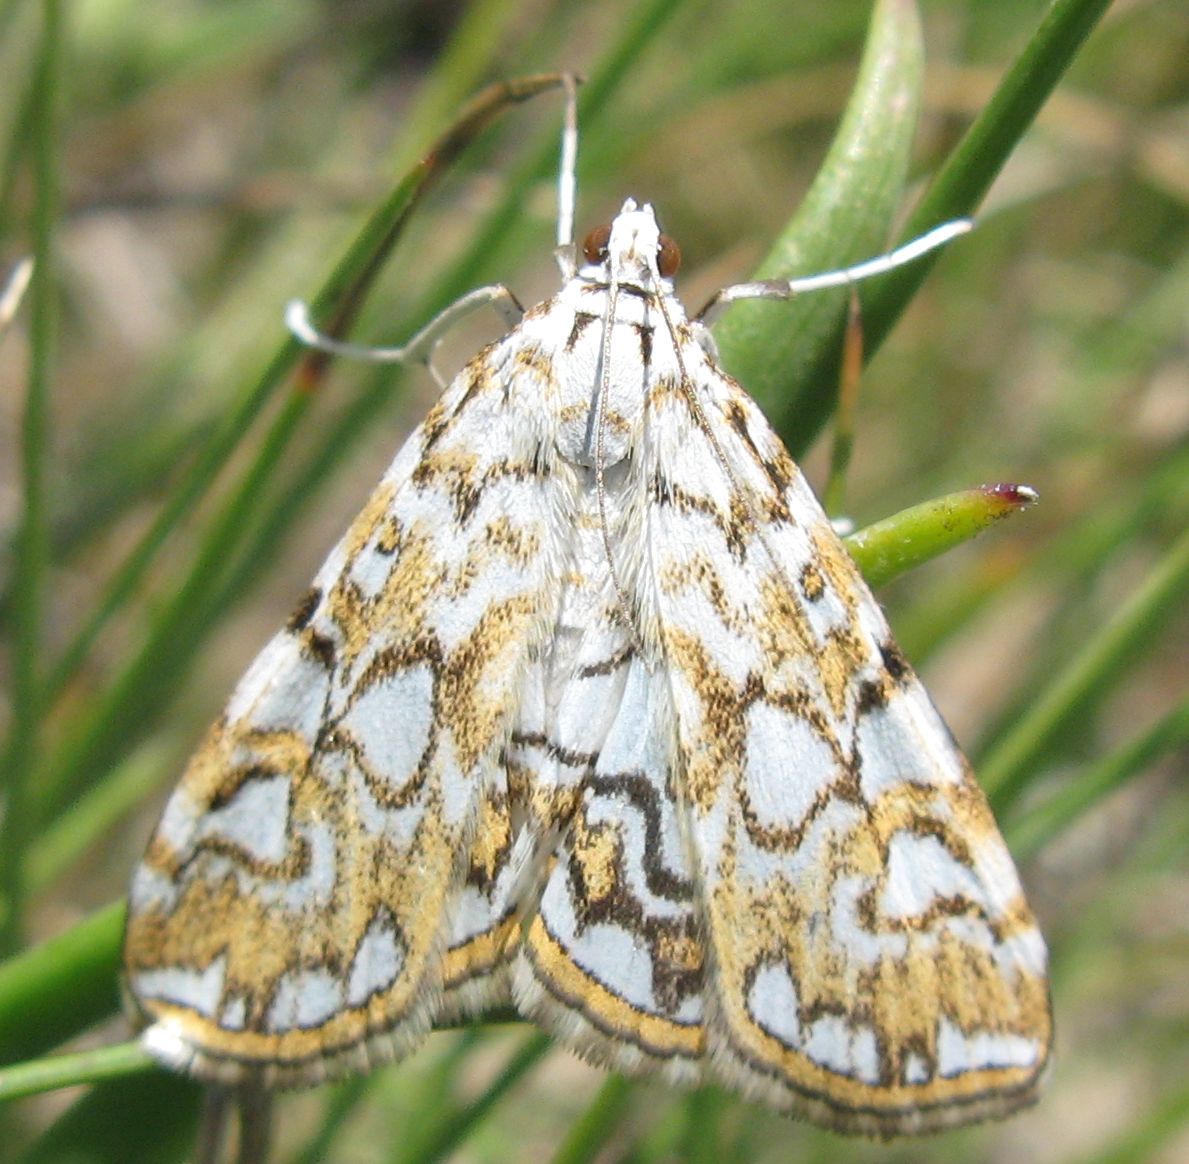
[[56, 1071], [643, 24], [32, 549], [984, 149]]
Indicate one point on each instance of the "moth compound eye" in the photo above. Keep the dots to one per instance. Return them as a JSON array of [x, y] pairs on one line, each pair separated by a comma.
[[594, 246], [668, 256]]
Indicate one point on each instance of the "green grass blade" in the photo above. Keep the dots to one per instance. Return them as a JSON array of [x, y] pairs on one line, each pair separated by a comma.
[[787, 354]]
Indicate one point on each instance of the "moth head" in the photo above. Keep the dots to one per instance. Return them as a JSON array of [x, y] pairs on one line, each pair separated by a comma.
[[633, 246]]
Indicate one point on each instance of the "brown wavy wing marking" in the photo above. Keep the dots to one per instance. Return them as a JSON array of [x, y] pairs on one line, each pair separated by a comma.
[[612, 961]]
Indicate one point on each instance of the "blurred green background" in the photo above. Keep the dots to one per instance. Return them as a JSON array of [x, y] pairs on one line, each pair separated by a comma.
[[192, 166]]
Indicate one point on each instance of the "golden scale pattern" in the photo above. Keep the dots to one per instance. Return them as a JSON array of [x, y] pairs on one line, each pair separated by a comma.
[[648, 766]]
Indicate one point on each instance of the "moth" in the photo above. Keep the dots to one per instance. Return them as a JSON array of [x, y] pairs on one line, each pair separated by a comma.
[[590, 713]]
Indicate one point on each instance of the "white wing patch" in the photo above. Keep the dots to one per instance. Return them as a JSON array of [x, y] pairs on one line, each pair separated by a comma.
[[590, 712]]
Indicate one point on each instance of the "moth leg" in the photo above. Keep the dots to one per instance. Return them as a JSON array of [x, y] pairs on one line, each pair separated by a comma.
[[255, 1125], [213, 1125], [420, 348], [845, 277], [252, 1106]]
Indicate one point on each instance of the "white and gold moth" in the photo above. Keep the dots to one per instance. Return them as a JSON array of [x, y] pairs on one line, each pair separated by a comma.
[[591, 713]]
